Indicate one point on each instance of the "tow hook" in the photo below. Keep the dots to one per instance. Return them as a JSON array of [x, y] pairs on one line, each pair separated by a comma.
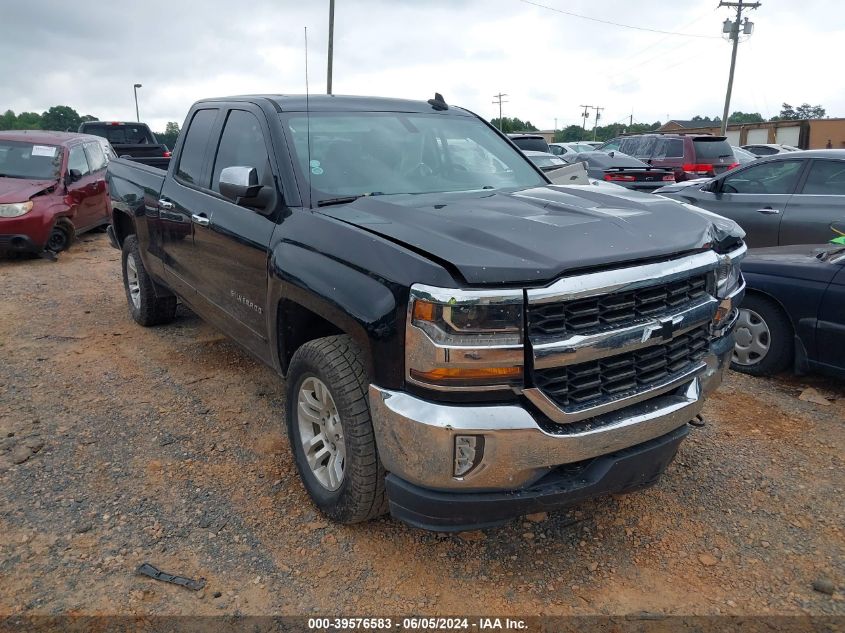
[[698, 421]]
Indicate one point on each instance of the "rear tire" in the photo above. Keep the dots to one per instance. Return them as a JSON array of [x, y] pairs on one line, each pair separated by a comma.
[[331, 431], [145, 306], [764, 338]]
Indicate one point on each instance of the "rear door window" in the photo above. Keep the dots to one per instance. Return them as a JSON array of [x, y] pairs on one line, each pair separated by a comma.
[[193, 154], [825, 178], [669, 148], [629, 145], [776, 177]]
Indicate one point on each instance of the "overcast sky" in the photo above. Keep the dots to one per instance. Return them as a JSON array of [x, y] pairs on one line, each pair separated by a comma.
[[88, 55]]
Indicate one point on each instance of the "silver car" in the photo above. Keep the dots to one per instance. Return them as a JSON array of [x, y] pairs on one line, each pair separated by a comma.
[[789, 198]]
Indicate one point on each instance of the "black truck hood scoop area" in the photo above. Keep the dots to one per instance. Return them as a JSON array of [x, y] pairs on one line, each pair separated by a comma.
[[532, 235]]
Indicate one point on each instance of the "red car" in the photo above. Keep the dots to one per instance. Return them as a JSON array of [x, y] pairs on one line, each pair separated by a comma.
[[52, 187]]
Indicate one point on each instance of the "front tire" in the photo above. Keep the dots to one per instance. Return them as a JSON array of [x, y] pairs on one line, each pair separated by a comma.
[[331, 431], [60, 237], [763, 338], [145, 306]]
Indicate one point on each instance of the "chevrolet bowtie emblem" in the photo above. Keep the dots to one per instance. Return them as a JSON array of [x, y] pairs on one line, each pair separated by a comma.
[[661, 328]]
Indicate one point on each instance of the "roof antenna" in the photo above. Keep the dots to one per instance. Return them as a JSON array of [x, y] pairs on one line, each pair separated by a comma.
[[438, 103], [307, 118]]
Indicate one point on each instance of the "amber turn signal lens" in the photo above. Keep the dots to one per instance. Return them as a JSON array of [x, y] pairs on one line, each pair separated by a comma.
[[423, 311], [468, 375]]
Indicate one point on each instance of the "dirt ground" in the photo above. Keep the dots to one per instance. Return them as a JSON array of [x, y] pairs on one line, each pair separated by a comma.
[[166, 445]]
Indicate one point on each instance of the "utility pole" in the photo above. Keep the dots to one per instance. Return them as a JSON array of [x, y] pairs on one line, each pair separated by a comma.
[[498, 101], [331, 48], [135, 88], [596, 120], [584, 116], [732, 29]]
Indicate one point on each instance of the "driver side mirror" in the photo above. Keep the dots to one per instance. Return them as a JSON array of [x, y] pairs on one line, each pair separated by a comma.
[[72, 176], [239, 184]]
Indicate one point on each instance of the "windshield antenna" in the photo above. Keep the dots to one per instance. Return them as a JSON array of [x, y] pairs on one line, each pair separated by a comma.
[[307, 119]]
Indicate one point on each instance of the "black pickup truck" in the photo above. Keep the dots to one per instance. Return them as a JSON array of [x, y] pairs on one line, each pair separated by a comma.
[[130, 140], [462, 342]]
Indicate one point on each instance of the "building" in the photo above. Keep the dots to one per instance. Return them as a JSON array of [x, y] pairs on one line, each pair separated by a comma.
[[803, 133]]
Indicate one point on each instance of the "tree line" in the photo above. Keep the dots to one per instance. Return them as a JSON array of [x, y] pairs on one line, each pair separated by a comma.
[[574, 133], [62, 118]]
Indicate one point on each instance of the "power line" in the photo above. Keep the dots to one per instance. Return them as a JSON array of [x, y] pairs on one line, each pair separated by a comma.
[[619, 24], [732, 28], [498, 101]]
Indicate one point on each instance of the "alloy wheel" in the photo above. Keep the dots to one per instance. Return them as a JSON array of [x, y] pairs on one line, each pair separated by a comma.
[[132, 281], [321, 433]]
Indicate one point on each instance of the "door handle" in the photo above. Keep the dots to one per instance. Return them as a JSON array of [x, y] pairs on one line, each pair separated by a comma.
[[768, 211], [166, 205], [201, 219]]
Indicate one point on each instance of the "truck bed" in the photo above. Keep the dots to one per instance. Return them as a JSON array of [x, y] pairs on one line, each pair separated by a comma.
[[131, 182]]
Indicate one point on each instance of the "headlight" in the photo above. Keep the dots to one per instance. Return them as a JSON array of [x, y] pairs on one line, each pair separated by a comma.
[[729, 284], [464, 339], [15, 209], [728, 277]]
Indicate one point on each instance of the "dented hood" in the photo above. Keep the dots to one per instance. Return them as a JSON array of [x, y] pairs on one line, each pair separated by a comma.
[[21, 189], [536, 235]]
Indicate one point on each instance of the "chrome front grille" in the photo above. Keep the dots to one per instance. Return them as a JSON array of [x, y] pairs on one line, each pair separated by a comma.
[[620, 309], [575, 387], [603, 341]]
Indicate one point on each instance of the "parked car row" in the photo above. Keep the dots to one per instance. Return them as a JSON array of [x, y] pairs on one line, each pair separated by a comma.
[[789, 202], [53, 186]]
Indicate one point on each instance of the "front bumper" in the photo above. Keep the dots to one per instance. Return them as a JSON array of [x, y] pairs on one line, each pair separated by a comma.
[[521, 448], [18, 244], [622, 471]]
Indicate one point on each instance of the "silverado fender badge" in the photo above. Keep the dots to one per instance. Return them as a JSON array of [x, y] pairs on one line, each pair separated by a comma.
[[243, 300]]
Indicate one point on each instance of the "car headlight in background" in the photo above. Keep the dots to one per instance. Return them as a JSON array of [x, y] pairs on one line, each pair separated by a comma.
[[15, 209], [457, 339]]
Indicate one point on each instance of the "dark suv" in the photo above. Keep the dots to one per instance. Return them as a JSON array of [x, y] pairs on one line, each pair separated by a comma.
[[688, 155], [530, 142]]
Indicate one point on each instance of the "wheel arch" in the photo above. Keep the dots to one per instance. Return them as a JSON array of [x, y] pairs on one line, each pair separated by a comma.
[[123, 225]]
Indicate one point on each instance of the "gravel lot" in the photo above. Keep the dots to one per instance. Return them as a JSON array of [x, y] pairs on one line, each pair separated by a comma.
[[121, 445]]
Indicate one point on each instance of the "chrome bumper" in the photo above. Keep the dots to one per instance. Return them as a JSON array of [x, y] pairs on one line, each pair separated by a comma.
[[416, 438]]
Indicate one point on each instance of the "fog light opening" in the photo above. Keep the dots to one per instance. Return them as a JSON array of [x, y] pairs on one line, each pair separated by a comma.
[[469, 449]]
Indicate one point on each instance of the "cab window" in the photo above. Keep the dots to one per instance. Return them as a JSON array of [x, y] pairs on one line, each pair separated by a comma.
[[242, 144], [193, 154]]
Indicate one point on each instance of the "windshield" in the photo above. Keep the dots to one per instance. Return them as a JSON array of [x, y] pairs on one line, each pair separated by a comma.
[[21, 159], [358, 153], [121, 134]]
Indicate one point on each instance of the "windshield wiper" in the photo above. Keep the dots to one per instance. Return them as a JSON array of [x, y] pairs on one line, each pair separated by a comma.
[[325, 202], [341, 200]]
